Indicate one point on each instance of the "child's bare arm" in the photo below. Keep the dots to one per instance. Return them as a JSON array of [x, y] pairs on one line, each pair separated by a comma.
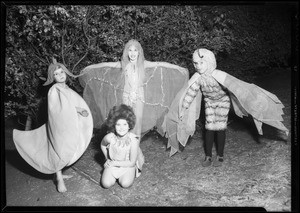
[[133, 156], [103, 146], [116, 64], [165, 64]]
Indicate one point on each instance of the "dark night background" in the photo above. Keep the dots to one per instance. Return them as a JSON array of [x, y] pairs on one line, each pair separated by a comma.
[[255, 42]]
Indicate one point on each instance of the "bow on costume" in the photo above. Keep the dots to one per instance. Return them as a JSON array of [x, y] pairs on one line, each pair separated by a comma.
[[246, 99]]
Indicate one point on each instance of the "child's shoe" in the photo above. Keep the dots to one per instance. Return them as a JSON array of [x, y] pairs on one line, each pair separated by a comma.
[[207, 162], [218, 161], [138, 173]]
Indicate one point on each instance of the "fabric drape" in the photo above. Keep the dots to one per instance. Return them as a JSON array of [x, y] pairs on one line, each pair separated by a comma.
[[63, 139], [104, 87], [247, 99]]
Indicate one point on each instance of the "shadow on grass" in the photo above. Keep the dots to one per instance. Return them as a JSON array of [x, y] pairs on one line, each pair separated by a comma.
[[247, 124], [15, 160], [96, 145]]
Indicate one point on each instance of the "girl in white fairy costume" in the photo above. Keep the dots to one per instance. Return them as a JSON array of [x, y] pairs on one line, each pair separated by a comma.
[[63, 139], [219, 90], [148, 87]]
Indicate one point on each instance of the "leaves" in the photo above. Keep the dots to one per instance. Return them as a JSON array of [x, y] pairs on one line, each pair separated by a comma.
[[243, 37]]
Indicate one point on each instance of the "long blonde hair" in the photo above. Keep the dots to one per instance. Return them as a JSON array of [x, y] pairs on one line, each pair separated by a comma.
[[140, 59]]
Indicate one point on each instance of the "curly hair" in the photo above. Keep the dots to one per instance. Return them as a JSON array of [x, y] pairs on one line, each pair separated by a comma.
[[122, 111]]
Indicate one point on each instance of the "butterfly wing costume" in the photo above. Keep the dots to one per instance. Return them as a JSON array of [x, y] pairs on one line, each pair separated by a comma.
[[247, 99], [148, 87], [104, 88]]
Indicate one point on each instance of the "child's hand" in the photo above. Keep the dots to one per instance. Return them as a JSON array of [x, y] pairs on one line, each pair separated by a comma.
[[183, 70], [84, 113], [108, 163]]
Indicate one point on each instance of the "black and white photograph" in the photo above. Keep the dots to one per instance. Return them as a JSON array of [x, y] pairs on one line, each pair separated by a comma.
[[178, 106]]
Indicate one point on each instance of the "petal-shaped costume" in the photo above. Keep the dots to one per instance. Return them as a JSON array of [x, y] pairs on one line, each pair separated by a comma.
[[120, 151], [104, 85], [246, 99], [63, 139]]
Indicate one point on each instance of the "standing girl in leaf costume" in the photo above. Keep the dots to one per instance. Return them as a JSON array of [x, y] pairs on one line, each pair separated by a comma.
[[219, 91], [63, 139]]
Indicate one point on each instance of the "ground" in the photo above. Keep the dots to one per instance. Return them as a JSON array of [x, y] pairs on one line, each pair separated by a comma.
[[256, 171]]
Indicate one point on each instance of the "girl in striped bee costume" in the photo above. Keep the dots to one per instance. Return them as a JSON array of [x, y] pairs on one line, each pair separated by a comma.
[[219, 91], [217, 104]]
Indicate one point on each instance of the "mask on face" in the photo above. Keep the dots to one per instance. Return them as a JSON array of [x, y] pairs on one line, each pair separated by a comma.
[[208, 56]]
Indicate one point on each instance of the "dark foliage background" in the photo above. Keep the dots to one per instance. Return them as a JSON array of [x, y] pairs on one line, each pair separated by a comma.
[[247, 41]]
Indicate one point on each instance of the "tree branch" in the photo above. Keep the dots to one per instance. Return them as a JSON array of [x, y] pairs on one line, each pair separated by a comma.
[[36, 55], [88, 39], [178, 50], [62, 46]]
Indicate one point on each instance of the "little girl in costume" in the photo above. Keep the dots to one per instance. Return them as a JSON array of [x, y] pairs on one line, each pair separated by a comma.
[[134, 81], [64, 138], [217, 105], [124, 158], [219, 90]]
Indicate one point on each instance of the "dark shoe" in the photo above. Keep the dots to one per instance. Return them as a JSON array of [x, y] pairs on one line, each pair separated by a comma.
[[207, 162], [218, 161], [138, 173]]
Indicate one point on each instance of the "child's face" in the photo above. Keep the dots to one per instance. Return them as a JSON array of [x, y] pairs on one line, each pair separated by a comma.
[[133, 53], [122, 127], [60, 76], [200, 65]]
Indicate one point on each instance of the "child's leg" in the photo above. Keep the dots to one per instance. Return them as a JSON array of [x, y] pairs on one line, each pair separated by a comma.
[[139, 107], [127, 179], [220, 148], [107, 179], [61, 187], [209, 141], [208, 145], [220, 142]]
